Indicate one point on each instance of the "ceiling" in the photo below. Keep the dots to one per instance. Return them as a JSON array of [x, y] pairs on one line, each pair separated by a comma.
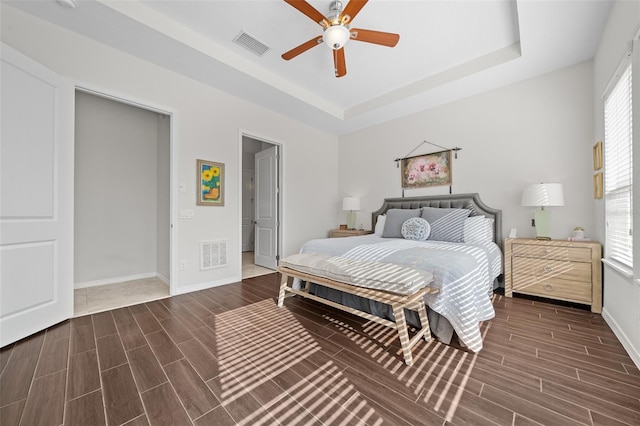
[[448, 49]]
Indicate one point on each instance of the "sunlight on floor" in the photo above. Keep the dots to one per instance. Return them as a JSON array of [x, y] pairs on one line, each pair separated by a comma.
[[258, 345]]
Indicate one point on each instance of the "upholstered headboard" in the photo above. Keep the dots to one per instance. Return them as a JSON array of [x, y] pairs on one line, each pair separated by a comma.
[[459, 201]]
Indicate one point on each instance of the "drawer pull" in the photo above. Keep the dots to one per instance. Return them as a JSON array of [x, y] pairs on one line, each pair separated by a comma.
[[548, 269], [548, 287]]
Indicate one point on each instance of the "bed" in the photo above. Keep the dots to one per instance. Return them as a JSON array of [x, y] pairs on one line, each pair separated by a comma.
[[465, 272]]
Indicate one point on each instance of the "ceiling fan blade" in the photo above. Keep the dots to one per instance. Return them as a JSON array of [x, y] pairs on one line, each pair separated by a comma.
[[351, 10], [302, 48], [339, 63], [310, 11], [375, 37]]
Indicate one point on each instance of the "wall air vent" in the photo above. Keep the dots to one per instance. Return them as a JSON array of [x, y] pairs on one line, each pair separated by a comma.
[[250, 43], [213, 254]]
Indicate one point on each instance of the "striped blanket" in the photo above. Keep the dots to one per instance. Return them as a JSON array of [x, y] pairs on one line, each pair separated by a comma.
[[464, 274], [361, 273]]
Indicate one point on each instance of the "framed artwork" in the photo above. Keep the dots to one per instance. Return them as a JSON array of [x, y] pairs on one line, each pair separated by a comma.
[[597, 156], [427, 170], [597, 186], [210, 183]]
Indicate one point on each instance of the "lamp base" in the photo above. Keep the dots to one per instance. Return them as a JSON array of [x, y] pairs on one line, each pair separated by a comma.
[[351, 220], [542, 224]]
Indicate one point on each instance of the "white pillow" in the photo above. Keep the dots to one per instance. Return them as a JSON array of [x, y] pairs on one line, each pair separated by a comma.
[[416, 228], [380, 224], [478, 229]]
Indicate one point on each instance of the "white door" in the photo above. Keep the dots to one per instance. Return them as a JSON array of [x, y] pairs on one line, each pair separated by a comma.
[[266, 218], [248, 195], [36, 204]]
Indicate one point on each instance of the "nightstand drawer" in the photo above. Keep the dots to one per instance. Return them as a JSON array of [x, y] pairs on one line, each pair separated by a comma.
[[573, 291], [573, 254], [543, 268]]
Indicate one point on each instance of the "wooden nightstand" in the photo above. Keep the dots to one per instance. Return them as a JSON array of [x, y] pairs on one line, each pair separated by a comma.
[[557, 269], [339, 233]]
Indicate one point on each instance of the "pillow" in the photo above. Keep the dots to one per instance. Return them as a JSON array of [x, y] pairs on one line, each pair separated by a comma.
[[478, 229], [446, 224], [395, 219], [380, 224], [415, 228]]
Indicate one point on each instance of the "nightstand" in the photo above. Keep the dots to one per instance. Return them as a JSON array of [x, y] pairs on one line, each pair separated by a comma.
[[556, 269], [339, 233]]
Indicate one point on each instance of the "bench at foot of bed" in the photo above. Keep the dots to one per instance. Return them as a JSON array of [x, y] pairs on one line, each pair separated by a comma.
[[413, 301]]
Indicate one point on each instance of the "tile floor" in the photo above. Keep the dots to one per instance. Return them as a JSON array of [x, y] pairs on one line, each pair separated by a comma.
[[249, 269], [228, 356], [111, 296], [91, 300]]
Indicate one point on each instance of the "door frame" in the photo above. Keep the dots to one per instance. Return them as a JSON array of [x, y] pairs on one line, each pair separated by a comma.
[[173, 165], [280, 246]]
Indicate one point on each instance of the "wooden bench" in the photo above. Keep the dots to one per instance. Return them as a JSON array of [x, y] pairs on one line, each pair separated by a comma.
[[398, 302]]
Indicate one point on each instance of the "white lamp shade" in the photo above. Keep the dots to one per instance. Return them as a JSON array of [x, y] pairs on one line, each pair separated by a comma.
[[543, 195], [351, 203], [336, 36]]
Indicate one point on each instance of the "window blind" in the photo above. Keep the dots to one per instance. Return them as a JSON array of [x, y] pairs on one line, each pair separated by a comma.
[[618, 170]]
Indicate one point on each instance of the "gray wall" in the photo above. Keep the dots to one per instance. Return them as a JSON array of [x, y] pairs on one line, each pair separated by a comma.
[[621, 295], [163, 205], [117, 181], [537, 130]]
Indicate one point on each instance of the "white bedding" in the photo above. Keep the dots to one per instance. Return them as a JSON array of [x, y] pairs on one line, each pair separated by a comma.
[[463, 272]]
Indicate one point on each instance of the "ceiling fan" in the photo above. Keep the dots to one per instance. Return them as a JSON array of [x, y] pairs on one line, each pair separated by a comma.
[[336, 31]]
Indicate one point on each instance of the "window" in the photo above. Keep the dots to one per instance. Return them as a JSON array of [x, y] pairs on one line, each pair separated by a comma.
[[618, 169]]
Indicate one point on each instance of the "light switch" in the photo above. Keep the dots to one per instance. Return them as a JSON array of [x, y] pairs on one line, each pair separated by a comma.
[[186, 213]]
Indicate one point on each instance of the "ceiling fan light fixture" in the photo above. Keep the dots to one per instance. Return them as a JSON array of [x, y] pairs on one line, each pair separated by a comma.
[[336, 36]]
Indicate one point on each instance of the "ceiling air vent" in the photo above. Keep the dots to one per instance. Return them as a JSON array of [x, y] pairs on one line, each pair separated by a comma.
[[251, 44]]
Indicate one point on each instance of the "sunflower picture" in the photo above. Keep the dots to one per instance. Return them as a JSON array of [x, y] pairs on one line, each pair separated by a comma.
[[210, 177]]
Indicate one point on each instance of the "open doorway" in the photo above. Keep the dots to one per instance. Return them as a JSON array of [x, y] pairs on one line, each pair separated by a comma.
[[260, 206], [122, 227]]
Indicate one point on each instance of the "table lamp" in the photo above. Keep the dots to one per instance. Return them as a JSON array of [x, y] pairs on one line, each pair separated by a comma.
[[543, 195], [351, 204]]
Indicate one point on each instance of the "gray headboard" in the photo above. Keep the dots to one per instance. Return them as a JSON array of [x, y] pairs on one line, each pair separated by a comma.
[[459, 201]]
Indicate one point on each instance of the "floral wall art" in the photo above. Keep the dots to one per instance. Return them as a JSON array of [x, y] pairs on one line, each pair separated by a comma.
[[427, 170], [210, 179]]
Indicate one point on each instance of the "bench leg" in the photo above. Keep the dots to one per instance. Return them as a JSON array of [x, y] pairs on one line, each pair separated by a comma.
[[401, 326], [424, 320], [283, 286]]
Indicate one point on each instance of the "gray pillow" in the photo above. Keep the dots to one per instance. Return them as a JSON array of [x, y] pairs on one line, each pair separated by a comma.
[[395, 219], [446, 224]]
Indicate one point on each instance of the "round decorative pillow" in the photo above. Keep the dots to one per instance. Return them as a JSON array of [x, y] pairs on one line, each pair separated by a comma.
[[415, 228]]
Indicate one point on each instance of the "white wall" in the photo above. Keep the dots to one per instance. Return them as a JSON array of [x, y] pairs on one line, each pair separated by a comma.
[[621, 295], [116, 191], [207, 125], [533, 131]]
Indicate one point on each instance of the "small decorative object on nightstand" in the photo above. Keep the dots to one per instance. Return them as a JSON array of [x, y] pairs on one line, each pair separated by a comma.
[[557, 269], [338, 233]]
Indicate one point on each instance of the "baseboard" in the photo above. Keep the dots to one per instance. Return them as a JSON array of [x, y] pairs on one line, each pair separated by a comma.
[[633, 352], [162, 278], [204, 286], [113, 280]]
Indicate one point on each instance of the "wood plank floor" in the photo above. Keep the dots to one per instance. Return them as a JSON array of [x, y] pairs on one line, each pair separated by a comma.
[[228, 355]]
